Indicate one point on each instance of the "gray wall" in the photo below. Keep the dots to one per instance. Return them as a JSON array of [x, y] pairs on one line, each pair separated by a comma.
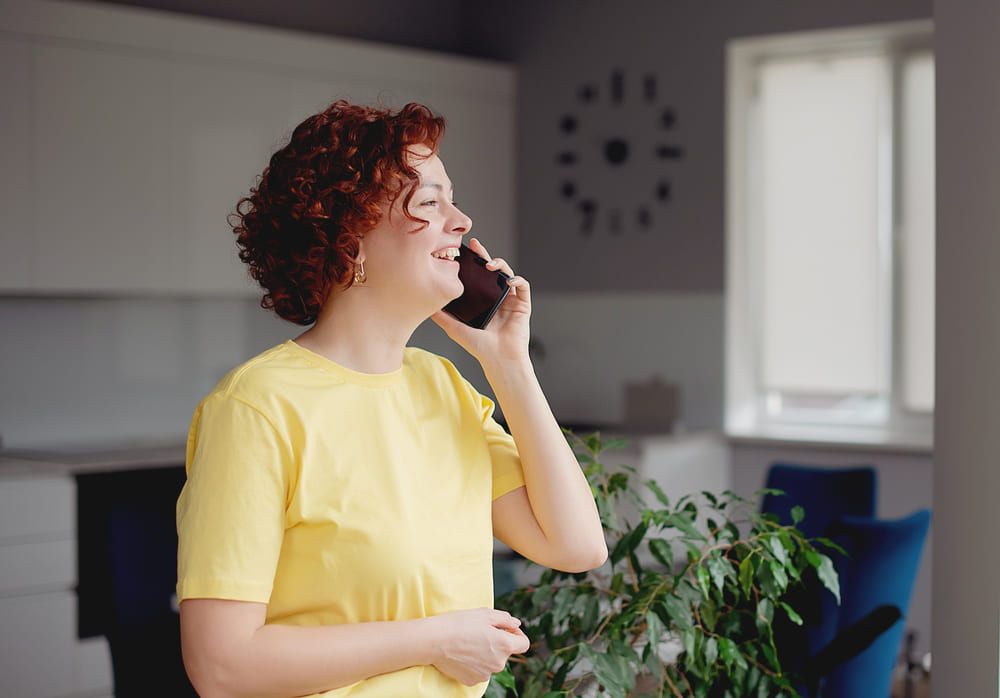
[[967, 440]]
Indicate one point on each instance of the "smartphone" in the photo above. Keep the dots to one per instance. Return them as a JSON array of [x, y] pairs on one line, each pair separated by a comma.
[[484, 291]]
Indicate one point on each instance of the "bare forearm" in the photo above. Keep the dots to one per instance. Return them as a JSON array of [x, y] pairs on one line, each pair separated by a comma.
[[230, 652], [557, 489], [282, 660]]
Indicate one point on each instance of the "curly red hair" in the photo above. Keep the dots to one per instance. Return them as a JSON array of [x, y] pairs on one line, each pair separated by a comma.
[[299, 229]]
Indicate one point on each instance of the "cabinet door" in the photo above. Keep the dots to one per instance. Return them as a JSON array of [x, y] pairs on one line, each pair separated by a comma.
[[17, 254], [102, 214], [226, 121], [36, 633]]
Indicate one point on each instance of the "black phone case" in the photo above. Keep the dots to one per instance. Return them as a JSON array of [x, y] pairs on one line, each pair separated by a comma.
[[484, 290]]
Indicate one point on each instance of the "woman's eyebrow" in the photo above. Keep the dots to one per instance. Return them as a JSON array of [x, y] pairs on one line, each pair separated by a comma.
[[434, 185]]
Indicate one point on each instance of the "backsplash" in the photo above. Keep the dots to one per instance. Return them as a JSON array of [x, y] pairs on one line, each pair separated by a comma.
[[90, 371]]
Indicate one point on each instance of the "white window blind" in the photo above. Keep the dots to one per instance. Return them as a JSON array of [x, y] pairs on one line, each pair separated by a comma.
[[822, 158], [916, 232]]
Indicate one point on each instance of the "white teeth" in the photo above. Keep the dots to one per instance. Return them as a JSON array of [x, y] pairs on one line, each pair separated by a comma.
[[450, 253]]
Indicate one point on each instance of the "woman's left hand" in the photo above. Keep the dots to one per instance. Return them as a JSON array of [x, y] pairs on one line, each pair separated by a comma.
[[506, 336]]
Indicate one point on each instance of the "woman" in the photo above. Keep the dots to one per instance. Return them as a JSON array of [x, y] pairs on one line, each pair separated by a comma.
[[344, 490]]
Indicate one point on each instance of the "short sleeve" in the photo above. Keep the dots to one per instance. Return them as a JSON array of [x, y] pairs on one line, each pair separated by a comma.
[[231, 511], [507, 472]]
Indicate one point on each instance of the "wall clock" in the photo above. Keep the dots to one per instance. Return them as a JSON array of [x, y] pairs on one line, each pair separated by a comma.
[[615, 155]]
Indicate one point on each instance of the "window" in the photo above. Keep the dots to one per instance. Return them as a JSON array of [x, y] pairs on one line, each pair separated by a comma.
[[830, 241]]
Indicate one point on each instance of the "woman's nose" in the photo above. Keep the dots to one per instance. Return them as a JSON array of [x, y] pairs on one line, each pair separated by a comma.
[[462, 222]]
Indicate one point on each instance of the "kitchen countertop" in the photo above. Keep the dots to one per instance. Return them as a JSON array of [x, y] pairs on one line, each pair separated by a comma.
[[74, 460]]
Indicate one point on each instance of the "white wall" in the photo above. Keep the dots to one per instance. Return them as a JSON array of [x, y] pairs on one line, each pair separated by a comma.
[[91, 371], [967, 437]]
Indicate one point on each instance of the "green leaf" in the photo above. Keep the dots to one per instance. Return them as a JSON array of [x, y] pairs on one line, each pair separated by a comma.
[[654, 629], [710, 650], [559, 679], [628, 543], [618, 481], [792, 615], [591, 614], [561, 603], [728, 651], [765, 615], [746, 576], [828, 575], [500, 683], [615, 444], [719, 569], [688, 640], [778, 548], [679, 612], [798, 513], [779, 575], [655, 489], [826, 542], [612, 670], [685, 524], [709, 613], [704, 582], [768, 490], [662, 552]]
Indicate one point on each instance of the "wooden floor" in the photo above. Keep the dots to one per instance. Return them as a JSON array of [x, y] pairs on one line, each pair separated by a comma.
[[921, 689]]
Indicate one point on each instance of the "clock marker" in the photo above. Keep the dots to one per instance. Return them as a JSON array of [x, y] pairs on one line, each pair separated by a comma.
[[669, 152], [649, 88], [567, 157], [617, 87], [644, 217], [588, 207], [663, 190], [567, 124], [588, 93], [615, 151], [568, 190], [668, 118]]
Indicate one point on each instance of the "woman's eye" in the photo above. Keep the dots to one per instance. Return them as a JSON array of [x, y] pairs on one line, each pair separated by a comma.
[[429, 202]]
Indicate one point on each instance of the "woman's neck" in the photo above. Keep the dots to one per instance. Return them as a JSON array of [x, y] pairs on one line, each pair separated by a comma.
[[356, 332]]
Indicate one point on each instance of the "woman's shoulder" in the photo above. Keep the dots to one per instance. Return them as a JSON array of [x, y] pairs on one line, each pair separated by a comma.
[[262, 374]]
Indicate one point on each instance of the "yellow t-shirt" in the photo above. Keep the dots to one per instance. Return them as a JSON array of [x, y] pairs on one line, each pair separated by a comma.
[[342, 497]]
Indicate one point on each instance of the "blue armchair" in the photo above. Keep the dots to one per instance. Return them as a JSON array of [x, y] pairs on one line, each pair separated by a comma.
[[882, 561], [848, 650]]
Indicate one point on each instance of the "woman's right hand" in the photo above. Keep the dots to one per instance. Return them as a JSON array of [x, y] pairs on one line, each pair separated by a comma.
[[475, 644]]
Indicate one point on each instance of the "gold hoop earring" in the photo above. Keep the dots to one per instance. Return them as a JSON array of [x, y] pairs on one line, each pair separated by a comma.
[[360, 276]]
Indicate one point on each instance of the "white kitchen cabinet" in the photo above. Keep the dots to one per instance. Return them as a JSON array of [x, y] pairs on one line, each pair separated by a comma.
[[129, 136], [101, 144], [224, 123], [41, 655]]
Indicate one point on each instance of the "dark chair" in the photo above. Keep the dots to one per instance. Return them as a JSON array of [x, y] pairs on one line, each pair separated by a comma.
[[825, 495], [128, 571], [879, 570]]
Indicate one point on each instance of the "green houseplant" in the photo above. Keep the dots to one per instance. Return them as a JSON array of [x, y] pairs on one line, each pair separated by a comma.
[[687, 604]]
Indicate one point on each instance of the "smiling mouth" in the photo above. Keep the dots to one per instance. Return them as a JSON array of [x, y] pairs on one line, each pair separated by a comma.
[[450, 253]]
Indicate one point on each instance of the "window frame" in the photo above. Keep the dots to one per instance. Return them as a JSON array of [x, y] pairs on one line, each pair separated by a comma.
[[745, 409]]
